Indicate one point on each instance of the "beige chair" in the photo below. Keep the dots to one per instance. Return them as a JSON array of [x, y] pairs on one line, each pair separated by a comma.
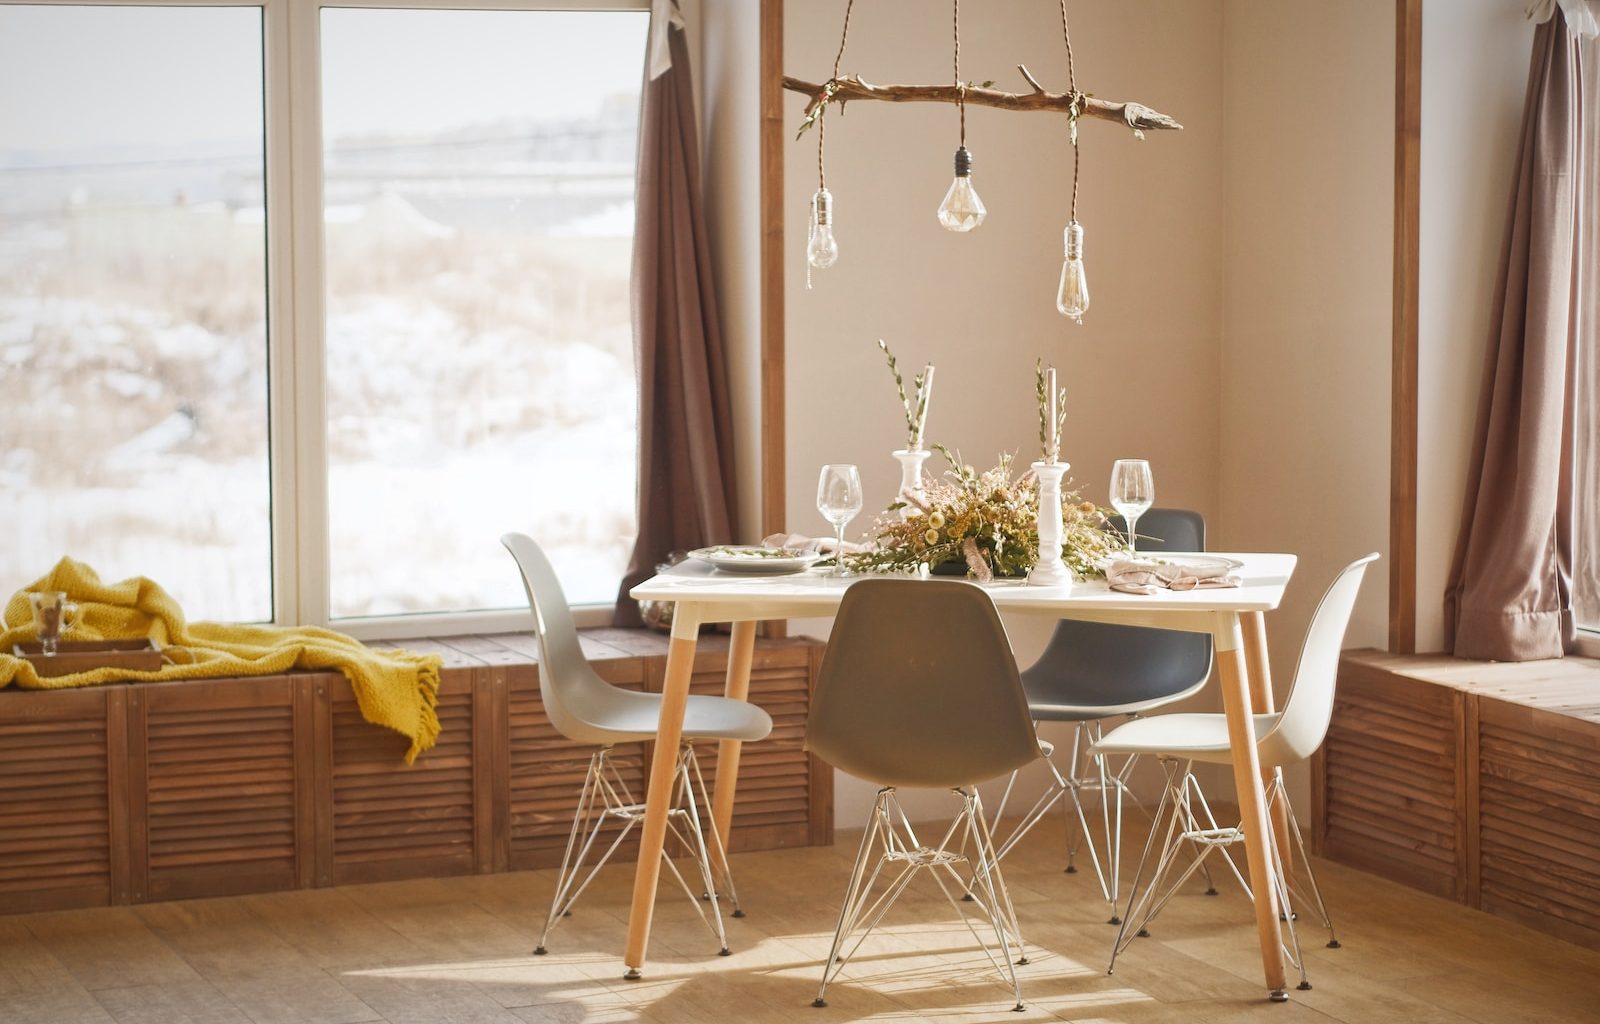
[[919, 689], [585, 708]]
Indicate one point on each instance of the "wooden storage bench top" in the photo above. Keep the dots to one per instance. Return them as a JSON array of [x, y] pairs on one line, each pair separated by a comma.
[[1563, 686], [601, 644]]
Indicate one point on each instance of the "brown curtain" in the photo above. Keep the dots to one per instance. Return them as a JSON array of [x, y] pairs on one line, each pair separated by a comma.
[[1509, 596], [685, 419]]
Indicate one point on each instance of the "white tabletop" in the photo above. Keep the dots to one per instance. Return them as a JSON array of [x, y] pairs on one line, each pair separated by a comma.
[[717, 596]]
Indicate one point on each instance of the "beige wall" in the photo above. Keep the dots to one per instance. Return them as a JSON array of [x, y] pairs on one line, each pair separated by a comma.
[[1240, 269], [1142, 372], [1474, 74], [1308, 97], [727, 77]]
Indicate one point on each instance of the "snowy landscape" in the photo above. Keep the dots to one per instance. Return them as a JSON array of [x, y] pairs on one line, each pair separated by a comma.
[[479, 367]]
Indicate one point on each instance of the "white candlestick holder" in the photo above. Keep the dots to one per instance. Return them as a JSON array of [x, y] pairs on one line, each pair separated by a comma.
[[1050, 570], [911, 460]]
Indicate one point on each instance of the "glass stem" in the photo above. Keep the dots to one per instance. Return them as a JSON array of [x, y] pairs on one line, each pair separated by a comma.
[[1132, 546], [838, 551]]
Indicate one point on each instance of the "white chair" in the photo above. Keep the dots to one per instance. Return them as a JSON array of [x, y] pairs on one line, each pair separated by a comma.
[[587, 709], [1287, 737]]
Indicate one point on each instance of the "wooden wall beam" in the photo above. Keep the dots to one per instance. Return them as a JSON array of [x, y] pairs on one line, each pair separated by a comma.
[[774, 497], [1403, 393]]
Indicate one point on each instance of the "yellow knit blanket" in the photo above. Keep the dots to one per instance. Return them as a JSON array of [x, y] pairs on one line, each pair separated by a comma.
[[395, 689]]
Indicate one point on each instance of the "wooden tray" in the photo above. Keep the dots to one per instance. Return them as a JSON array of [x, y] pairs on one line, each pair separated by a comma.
[[82, 655]]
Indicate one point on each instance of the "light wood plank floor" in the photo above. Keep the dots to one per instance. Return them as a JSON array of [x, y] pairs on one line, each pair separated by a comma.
[[457, 950]]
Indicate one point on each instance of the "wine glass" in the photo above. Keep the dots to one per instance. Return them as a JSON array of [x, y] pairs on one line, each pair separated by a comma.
[[839, 499], [1132, 492]]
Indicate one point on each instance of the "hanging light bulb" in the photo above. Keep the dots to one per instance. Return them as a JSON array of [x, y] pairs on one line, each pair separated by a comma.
[[962, 210], [821, 249], [1072, 298]]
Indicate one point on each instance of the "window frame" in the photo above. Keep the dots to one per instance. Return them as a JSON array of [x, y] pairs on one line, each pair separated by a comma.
[[296, 316]]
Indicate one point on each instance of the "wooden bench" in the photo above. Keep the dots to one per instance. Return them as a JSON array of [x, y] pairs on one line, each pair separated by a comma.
[[153, 791], [1475, 781]]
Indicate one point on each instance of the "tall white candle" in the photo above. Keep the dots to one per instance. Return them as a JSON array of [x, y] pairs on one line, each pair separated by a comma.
[[924, 403], [1050, 406]]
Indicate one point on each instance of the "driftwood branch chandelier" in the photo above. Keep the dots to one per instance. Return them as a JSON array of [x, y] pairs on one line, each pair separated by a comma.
[[962, 210]]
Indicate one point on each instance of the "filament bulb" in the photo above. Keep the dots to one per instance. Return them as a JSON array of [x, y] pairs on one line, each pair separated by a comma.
[[962, 210], [1072, 297], [821, 248]]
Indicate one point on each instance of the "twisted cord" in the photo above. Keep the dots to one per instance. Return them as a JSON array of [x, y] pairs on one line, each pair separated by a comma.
[[961, 92], [1072, 86], [822, 119]]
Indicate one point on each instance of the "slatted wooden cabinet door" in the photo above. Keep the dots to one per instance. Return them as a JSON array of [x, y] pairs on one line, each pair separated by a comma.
[[392, 820], [774, 803], [547, 770], [1539, 820], [213, 785], [56, 808], [1390, 781]]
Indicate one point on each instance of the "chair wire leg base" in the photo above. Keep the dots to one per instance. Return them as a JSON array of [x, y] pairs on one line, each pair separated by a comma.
[[1086, 774], [1189, 821], [891, 851], [606, 802]]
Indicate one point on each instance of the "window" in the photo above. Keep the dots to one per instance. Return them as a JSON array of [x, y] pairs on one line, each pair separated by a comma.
[[133, 315], [479, 225], [432, 208]]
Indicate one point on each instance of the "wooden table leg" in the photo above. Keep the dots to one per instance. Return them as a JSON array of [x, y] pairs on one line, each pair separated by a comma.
[[658, 798], [1261, 698], [1227, 640], [741, 651]]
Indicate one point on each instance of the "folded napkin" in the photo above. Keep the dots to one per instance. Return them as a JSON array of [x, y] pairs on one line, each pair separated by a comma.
[[1139, 577], [800, 542]]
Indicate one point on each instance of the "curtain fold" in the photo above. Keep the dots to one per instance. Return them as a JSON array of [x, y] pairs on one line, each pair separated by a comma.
[[686, 490], [1510, 591]]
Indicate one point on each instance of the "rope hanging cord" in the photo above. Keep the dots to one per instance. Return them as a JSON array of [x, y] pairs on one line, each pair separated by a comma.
[[822, 118], [961, 90], [1072, 87]]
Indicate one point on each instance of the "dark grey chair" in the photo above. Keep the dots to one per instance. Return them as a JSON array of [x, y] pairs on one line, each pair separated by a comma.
[[1094, 671], [919, 689]]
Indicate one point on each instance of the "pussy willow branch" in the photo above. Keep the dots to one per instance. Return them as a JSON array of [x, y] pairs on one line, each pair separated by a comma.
[[1135, 116]]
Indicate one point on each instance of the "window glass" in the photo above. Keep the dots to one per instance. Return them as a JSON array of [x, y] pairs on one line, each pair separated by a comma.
[[479, 170], [133, 327]]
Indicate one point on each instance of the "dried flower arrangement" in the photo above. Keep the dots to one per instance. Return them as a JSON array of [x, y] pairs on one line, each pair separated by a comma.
[[987, 522]]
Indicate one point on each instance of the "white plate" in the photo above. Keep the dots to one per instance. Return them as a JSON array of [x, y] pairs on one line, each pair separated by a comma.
[[1214, 565], [754, 560]]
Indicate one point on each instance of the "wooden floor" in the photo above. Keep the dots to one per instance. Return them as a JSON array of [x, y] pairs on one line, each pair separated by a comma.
[[457, 950]]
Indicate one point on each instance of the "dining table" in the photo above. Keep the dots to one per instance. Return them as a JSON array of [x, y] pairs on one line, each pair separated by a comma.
[[1234, 617]]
